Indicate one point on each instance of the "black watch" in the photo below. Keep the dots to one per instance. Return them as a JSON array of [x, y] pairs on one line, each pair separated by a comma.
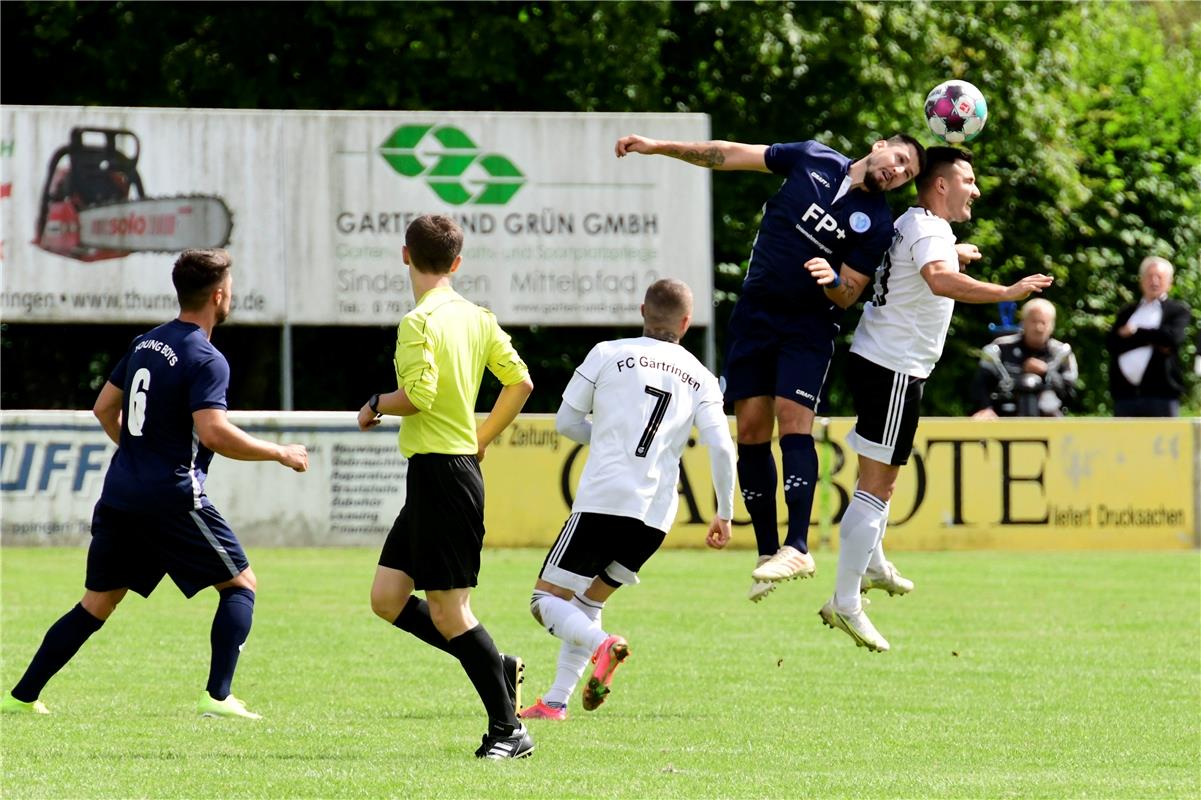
[[373, 402]]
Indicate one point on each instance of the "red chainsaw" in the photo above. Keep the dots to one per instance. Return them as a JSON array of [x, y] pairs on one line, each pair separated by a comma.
[[87, 212]]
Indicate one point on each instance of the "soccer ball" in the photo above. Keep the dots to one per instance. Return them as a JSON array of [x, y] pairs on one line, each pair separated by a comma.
[[956, 111]]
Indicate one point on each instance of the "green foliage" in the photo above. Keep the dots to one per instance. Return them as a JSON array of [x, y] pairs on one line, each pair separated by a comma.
[[986, 692], [1091, 158]]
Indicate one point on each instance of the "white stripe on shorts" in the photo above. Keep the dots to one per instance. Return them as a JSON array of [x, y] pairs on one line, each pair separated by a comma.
[[564, 539], [896, 406], [208, 534]]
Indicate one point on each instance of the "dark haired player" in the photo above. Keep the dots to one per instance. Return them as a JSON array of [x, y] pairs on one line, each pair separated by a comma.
[[443, 347], [896, 344], [164, 406], [782, 331]]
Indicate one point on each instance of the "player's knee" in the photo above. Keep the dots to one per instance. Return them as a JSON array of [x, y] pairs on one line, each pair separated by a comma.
[[101, 605], [448, 618], [385, 605]]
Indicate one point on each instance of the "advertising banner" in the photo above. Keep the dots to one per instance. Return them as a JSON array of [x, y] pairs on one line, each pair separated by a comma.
[[1008, 484], [313, 208]]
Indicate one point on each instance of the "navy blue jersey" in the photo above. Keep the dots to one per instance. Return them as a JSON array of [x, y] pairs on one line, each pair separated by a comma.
[[803, 220], [160, 464]]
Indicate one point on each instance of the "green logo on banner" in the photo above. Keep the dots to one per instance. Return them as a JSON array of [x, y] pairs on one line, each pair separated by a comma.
[[454, 154]]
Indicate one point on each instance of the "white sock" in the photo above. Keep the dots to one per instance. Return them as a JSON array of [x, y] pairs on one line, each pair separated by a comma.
[[573, 660], [565, 620], [572, 663], [589, 607], [876, 563], [861, 528]]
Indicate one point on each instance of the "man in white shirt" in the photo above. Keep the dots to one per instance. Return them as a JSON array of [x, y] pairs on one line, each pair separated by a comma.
[[896, 344], [645, 396], [1145, 377]]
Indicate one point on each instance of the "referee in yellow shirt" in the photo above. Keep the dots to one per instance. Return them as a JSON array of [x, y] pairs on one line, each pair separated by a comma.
[[442, 348]]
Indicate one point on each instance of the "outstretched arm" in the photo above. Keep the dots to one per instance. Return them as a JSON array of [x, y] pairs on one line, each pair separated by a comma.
[[947, 281], [715, 154], [221, 436]]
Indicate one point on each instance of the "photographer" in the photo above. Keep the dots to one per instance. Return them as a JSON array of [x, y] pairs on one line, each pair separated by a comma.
[[1026, 374]]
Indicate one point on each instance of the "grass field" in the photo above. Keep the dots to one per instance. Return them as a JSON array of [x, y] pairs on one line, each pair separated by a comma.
[[1011, 675]]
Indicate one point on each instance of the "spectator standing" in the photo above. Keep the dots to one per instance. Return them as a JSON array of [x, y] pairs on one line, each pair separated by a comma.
[[1145, 377]]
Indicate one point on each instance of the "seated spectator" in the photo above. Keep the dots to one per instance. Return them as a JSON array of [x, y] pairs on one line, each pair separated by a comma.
[[1145, 377], [1026, 374]]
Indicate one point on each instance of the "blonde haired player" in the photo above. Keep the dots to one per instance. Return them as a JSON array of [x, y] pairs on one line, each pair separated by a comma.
[[645, 395]]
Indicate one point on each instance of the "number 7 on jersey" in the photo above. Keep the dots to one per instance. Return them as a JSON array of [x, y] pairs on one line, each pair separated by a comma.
[[662, 398]]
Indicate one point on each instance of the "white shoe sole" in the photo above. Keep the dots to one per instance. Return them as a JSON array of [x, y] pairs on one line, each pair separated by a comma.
[[832, 619], [760, 590]]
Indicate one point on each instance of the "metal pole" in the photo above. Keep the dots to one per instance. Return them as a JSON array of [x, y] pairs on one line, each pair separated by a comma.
[[1197, 483], [285, 367]]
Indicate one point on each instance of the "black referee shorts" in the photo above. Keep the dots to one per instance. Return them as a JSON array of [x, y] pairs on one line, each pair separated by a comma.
[[438, 535]]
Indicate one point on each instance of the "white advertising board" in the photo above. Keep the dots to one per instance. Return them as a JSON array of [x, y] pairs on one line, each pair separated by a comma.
[[313, 208]]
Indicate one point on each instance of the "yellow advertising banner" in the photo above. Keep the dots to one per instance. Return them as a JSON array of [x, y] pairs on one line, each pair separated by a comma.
[[1006, 484]]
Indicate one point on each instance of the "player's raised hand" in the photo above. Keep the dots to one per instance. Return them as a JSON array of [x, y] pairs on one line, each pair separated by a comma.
[[821, 270], [295, 456], [634, 144], [1031, 284], [967, 253], [719, 533]]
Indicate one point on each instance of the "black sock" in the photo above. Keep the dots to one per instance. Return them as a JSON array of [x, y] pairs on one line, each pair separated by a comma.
[[415, 618], [757, 479], [800, 483], [477, 653], [231, 626], [59, 645]]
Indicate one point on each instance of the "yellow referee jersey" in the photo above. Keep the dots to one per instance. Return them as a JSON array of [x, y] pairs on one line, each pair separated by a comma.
[[442, 347]]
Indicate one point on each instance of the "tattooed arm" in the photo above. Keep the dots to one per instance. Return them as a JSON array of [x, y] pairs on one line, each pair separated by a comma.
[[713, 155], [849, 286]]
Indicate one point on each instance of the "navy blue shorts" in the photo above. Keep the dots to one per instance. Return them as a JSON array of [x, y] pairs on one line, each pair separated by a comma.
[[777, 353], [132, 550]]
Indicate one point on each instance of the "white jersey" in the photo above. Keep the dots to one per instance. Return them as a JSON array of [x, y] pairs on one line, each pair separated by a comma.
[[645, 396], [904, 326]]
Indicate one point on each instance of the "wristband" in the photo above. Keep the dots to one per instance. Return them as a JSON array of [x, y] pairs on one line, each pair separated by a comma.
[[373, 402], [834, 284]]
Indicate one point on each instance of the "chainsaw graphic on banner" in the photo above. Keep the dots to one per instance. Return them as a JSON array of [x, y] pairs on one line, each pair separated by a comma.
[[87, 212]]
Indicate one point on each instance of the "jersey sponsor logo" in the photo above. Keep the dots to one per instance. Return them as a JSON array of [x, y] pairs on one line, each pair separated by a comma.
[[860, 222], [817, 176], [825, 222]]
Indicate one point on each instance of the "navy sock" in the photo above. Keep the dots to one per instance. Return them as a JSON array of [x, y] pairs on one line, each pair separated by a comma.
[[59, 645], [757, 479], [415, 618], [800, 483], [231, 626], [481, 661]]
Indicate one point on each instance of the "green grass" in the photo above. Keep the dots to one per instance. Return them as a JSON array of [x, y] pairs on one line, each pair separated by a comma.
[[1012, 675]]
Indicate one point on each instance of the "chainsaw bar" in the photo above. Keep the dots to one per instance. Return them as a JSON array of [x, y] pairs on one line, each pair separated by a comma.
[[157, 224]]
